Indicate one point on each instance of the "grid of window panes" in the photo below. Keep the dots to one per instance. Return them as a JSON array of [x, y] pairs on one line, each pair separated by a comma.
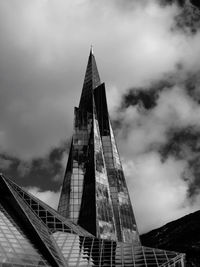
[[46, 214], [85, 252], [63, 205], [15, 248], [72, 190], [82, 132]]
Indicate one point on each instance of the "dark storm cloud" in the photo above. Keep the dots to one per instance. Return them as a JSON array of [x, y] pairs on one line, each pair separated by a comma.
[[137, 96], [180, 2], [184, 144], [196, 3], [188, 20], [170, 2], [192, 85], [47, 171], [146, 96], [179, 140]]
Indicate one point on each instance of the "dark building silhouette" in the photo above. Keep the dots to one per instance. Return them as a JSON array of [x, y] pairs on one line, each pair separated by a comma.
[[94, 224]]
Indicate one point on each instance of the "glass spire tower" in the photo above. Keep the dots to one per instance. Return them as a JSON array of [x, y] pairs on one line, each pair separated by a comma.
[[100, 228], [94, 192]]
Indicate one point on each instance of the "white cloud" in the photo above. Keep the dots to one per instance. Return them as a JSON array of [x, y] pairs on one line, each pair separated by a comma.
[[158, 192], [176, 108], [49, 197]]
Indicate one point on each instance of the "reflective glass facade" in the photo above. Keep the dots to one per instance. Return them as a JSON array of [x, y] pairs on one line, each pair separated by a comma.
[[33, 234], [126, 229]]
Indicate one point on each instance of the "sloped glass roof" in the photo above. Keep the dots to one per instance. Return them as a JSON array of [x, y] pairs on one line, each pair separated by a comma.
[[20, 247], [15, 246]]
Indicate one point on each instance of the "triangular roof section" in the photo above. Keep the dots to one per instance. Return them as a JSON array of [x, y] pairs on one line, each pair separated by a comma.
[[50, 217], [37, 232], [15, 246]]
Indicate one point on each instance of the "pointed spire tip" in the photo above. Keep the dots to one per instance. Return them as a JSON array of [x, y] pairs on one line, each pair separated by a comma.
[[91, 50]]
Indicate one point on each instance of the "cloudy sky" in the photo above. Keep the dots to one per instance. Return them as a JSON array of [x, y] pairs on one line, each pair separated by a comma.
[[148, 54]]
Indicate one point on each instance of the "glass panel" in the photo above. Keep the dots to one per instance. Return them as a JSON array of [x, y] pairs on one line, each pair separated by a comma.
[[16, 247], [88, 251]]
